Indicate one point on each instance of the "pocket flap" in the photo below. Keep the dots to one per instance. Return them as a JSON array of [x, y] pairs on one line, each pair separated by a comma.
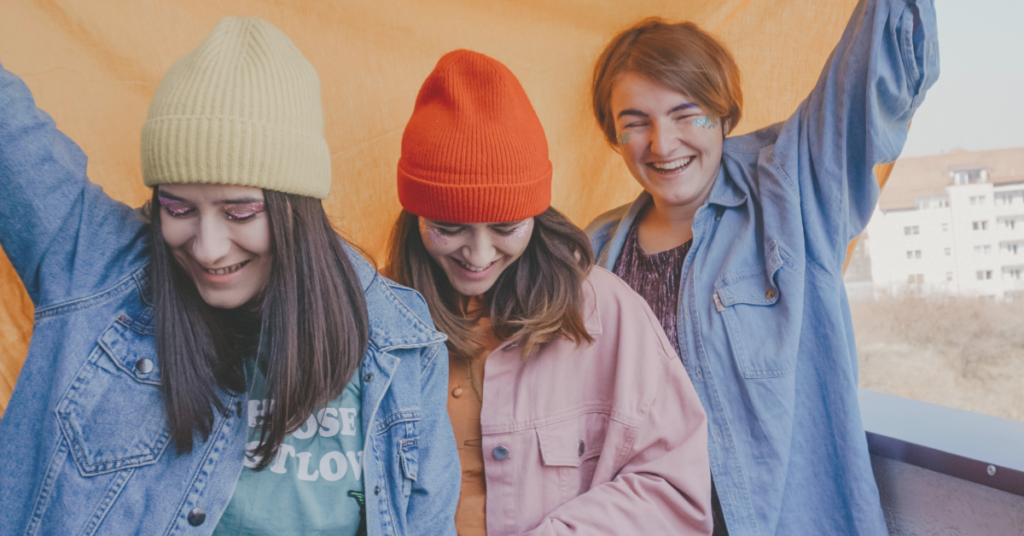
[[569, 443], [408, 452], [753, 287], [127, 348]]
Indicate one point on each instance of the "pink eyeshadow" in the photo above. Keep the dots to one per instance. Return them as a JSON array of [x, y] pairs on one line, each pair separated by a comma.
[[436, 236]]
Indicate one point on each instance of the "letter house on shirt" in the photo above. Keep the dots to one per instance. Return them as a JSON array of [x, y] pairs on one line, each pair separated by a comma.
[[299, 490]]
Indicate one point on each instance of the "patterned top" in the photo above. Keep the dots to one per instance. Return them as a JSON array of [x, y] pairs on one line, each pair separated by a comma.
[[655, 277]]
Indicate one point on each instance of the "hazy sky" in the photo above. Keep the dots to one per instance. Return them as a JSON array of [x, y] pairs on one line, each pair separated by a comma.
[[978, 102]]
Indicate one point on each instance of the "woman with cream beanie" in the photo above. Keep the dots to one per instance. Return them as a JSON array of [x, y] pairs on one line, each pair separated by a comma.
[[229, 366]]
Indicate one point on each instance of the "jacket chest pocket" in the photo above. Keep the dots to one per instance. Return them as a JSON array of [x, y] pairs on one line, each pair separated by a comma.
[[112, 415], [569, 452], [755, 312]]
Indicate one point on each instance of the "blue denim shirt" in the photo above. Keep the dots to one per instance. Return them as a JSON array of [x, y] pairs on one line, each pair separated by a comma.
[[84, 441], [764, 325]]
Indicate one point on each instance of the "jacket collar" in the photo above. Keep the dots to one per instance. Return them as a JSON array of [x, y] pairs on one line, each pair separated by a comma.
[[393, 324]]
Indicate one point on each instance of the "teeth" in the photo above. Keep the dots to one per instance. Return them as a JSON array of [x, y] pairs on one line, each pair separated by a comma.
[[227, 270], [671, 166], [472, 268]]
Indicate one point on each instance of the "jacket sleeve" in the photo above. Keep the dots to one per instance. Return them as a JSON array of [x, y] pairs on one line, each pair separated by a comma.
[[664, 484], [435, 492], [857, 116], [65, 237]]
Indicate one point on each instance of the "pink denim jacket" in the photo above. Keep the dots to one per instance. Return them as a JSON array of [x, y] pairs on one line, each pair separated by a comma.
[[608, 438]]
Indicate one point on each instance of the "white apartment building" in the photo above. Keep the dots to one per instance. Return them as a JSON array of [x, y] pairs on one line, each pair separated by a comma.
[[965, 237]]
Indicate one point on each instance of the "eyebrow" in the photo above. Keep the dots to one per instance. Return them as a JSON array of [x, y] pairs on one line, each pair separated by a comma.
[[634, 111], [239, 201]]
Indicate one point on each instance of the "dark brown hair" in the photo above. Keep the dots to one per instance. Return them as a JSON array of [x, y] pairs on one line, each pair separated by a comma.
[[680, 56], [537, 298], [310, 322]]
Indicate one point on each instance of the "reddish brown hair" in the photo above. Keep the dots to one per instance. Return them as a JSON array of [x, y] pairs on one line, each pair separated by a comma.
[[680, 56]]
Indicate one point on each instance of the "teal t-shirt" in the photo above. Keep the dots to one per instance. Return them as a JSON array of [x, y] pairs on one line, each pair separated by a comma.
[[314, 485]]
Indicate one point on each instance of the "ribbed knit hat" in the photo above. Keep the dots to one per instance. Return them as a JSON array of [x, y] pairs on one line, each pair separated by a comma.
[[241, 109], [474, 150]]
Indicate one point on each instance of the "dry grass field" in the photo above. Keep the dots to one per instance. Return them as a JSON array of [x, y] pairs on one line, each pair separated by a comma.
[[960, 352]]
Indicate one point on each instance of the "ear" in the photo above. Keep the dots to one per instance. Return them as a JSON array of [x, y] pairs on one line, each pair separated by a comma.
[[726, 127]]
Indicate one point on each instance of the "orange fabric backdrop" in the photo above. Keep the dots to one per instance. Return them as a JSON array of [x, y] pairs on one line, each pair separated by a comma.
[[94, 66]]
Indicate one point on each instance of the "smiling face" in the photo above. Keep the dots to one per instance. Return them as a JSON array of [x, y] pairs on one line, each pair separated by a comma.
[[221, 236], [473, 255], [672, 148]]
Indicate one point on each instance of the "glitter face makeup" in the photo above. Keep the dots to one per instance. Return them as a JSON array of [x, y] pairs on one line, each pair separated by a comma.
[[473, 255], [623, 138], [218, 234], [705, 122]]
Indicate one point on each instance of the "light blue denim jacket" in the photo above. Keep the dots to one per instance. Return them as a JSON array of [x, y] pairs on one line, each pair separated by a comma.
[[84, 444], [763, 320]]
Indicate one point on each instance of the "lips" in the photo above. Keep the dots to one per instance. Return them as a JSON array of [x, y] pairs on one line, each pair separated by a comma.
[[672, 166]]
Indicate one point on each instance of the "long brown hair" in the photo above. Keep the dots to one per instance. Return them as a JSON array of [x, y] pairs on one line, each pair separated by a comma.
[[536, 299], [680, 56], [310, 322]]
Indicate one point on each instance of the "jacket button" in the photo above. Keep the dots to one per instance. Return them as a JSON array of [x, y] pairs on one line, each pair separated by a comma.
[[770, 294], [144, 366], [368, 378], [376, 490], [196, 517], [500, 453], [581, 448]]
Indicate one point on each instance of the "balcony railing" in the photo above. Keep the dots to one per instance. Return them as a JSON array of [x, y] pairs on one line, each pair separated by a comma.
[[945, 471]]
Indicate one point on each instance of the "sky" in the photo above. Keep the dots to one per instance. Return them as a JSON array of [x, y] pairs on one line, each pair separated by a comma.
[[978, 101]]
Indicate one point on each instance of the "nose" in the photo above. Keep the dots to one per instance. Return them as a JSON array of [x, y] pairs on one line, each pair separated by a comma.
[[479, 252], [664, 138], [211, 242]]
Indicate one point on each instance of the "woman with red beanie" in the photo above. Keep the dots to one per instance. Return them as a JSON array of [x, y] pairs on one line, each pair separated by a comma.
[[572, 413]]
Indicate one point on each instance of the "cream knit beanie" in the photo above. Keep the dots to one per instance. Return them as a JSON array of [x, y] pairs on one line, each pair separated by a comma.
[[241, 109]]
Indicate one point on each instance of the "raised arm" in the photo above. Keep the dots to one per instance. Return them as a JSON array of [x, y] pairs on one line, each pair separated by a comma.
[[856, 117], [65, 237]]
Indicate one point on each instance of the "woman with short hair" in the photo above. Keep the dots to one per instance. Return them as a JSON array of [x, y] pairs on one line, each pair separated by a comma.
[[738, 245]]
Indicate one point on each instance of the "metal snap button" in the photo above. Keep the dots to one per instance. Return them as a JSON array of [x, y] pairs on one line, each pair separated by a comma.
[[368, 378], [376, 490], [457, 392], [500, 453], [770, 294], [196, 517], [144, 366], [581, 448]]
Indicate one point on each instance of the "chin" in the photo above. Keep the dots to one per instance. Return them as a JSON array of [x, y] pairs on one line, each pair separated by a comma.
[[223, 300]]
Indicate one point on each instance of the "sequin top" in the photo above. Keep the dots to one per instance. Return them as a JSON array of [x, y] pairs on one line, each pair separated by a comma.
[[655, 277]]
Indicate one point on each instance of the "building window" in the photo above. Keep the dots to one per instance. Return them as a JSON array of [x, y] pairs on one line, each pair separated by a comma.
[[911, 230], [980, 225], [915, 279], [1014, 273], [913, 254], [1012, 248], [984, 275], [945, 227], [948, 252], [949, 276], [1009, 223]]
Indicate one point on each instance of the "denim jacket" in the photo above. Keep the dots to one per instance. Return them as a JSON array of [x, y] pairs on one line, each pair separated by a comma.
[[764, 326], [84, 441]]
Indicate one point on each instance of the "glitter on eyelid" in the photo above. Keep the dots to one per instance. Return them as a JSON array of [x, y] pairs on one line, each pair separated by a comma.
[[244, 210], [705, 122], [623, 138], [172, 205], [520, 231], [436, 236]]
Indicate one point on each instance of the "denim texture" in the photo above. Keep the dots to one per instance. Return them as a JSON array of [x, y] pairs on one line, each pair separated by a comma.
[[763, 321], [84, 441]]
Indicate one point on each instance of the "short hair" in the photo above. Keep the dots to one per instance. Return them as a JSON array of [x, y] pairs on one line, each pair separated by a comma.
[[680, 56]]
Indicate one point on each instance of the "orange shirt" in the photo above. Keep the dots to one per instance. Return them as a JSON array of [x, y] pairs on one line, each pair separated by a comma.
[[465, 400]]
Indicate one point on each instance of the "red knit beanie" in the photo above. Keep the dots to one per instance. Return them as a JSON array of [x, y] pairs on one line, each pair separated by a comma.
[[474, 150]]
